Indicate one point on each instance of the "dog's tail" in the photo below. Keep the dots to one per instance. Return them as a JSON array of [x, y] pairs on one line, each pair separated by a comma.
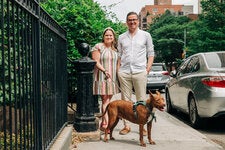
[[106, 109]]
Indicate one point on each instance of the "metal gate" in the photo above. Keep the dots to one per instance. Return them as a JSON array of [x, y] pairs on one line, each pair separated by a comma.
[[33, 76]]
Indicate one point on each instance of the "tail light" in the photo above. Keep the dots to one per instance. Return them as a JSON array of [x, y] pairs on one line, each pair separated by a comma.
[[165, 73], [216, 81]]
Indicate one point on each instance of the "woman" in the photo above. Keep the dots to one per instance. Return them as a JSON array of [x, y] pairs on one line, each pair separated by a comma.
[[104, 84]]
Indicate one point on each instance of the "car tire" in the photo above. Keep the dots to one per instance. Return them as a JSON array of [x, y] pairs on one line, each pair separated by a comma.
[[194, 118], [169, 107]]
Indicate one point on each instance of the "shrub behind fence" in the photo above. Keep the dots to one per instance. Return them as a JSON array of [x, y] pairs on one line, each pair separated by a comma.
[[33, 79]]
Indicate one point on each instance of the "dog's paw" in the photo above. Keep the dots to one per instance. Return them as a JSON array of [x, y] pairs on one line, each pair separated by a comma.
[[151, 142], [143, 144], [105, 140]]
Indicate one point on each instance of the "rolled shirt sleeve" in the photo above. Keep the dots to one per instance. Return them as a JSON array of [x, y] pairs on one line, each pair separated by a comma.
[[150, 46]]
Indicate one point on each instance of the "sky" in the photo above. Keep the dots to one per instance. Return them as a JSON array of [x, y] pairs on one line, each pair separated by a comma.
[[125, 6]]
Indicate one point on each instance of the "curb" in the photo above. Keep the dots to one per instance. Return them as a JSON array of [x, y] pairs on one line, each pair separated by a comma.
[[63, 141]]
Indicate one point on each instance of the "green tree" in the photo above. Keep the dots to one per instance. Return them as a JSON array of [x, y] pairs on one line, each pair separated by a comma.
[[167, 31], [84, 21], [208, 33], [203, 35]]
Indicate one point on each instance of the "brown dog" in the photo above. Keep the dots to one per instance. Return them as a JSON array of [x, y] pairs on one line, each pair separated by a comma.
[[124, 109]]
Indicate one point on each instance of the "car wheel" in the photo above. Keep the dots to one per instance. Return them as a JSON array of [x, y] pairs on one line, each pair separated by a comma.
[[195, 120], [169, 107]]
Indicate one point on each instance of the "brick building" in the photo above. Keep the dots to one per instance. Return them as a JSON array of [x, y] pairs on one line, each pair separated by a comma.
[[148, 12]]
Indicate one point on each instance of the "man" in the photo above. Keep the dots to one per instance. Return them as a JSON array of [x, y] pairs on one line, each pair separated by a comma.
[[136, 55]]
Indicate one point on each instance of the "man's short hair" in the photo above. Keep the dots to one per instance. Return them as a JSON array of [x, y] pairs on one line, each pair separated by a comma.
[[132, 13]]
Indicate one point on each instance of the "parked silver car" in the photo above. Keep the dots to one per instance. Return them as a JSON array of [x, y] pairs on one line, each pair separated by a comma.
[[157, 77], [198, 87]]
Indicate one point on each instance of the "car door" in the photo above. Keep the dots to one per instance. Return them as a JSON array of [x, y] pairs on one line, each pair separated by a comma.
[[176, 88], [187, 82]]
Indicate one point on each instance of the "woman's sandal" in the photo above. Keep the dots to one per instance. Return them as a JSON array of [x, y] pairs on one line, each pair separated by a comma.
[[103, 128]]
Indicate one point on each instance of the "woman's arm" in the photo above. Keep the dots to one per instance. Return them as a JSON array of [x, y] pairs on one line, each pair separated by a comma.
[[96, 57]]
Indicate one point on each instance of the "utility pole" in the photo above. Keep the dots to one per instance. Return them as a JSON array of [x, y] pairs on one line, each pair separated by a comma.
[[185, 37], [185, 44]]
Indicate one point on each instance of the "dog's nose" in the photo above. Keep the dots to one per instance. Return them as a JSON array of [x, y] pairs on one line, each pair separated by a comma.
[[163, 104]]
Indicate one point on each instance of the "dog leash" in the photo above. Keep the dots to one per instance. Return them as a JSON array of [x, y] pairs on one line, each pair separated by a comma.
[[152, 116], [116, 84]]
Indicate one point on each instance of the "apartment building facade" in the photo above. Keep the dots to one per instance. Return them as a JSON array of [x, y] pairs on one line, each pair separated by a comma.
[[148, 12]]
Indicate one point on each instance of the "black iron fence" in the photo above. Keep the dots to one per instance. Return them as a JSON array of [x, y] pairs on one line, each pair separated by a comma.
[[33, 76]]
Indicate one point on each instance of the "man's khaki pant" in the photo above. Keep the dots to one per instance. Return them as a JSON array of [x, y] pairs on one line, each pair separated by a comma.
[[129, 81]]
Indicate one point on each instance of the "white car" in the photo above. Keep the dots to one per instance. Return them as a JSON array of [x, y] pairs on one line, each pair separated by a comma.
[[157, 77]]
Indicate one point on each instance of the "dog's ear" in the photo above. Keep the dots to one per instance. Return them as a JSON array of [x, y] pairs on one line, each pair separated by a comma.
[[150, 94], [157, 92]]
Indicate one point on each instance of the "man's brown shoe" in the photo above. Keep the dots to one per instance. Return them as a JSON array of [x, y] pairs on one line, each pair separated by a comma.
[[125, 130], [144, 132]]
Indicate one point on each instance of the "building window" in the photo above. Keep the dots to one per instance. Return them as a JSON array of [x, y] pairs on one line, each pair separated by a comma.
[[144, 20], [180, 13], [144, 25], [155, 10]]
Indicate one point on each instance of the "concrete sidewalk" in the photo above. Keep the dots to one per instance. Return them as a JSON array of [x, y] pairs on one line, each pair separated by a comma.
[[168, 132]]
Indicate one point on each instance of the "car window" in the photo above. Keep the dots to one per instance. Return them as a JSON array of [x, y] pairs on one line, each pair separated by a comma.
[[193, 65], [189, 66], [182, 68], [215, 60]]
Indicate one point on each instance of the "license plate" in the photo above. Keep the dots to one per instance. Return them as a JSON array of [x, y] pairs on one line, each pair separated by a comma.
[[155, 78]]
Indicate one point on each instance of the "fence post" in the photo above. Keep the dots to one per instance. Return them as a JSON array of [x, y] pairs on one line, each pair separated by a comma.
[[96, 104], [84, 116]]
